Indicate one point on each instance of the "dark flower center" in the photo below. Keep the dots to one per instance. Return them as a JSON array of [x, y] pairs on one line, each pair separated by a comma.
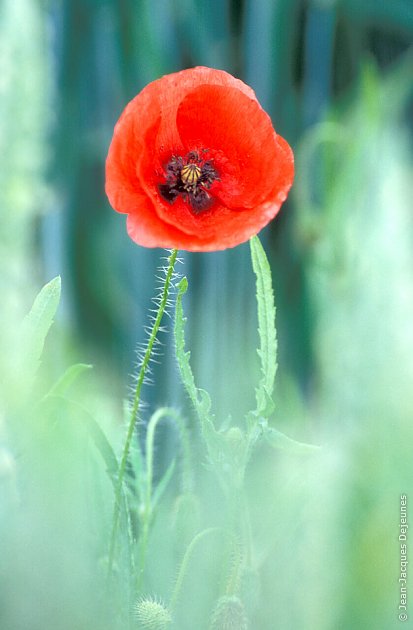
[[191, 177]]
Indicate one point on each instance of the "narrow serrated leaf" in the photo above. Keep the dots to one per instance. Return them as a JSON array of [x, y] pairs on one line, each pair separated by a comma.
[[266, 325], [37, 323], [204, 401], [182, 356], [199, 397]]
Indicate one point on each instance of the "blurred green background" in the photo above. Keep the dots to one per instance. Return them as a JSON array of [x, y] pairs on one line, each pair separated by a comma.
[[69, 68], [337, 79]]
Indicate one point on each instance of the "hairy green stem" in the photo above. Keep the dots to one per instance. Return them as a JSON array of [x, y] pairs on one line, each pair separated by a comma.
[[135, 407], [184, 564], [236, 560]]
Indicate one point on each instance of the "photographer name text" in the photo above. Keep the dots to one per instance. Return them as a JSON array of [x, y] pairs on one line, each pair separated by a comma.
[[404, 527]]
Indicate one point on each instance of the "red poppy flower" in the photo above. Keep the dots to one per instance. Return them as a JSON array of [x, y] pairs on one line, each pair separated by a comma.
[[196, 164]]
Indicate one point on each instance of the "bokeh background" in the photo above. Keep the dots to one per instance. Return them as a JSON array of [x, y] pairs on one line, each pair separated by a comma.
[[336, 76]]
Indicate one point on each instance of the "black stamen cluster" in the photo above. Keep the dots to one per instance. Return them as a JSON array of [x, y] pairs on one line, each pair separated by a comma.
[[197, 194]]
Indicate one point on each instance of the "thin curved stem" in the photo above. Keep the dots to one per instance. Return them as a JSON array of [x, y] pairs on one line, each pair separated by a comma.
[[135, 406], [184, 565], [164, 412]]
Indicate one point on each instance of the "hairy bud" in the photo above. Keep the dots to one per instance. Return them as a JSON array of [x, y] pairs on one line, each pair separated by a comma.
[[229, 614], [151, 615]]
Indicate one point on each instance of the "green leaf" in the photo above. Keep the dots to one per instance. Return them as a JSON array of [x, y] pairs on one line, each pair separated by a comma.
[[37, 323], [65, 381], [79, 414], [182, 356], [104, 447], [266, 326], [199, 397], [281, 441]]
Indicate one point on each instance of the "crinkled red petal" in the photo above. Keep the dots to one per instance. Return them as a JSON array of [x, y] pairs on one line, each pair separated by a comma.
[[228, 122]]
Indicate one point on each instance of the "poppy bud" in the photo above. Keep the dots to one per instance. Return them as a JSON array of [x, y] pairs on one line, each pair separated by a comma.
[[151, 615], [229, 614]]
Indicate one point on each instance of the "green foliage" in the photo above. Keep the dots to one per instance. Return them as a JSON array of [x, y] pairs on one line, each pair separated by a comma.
[[257, 420], [230, 450], [266, 328], [38, 322], [93, 428], [278, 440], [199, 397], [68, 378]]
